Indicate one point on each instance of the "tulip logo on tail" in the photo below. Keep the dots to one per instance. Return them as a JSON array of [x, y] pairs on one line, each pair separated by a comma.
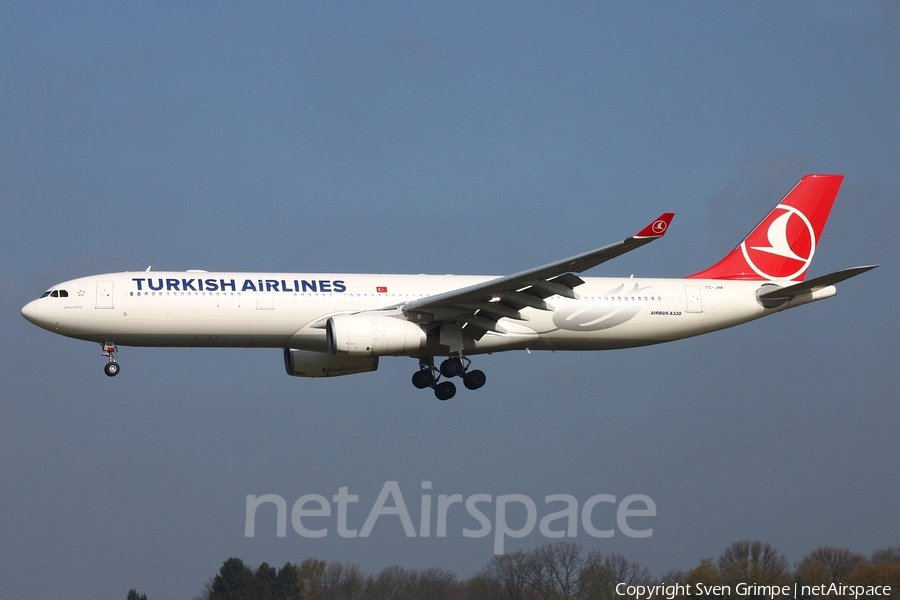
[[784, 249]]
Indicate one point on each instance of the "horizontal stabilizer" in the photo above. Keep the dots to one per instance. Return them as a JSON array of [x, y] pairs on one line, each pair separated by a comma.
[[773, 296]]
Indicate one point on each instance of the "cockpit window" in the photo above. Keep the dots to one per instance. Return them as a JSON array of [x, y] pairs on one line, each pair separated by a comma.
[[54, 294], [63, 294], [45, 294]]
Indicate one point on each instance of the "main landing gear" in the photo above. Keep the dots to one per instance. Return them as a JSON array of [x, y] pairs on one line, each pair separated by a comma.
[[112, 367], [455, 366]]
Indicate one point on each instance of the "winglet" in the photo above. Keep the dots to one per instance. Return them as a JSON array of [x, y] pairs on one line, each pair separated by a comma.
[[657, 228]]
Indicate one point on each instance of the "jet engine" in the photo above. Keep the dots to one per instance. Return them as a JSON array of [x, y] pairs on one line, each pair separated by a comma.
[[304, 363], [372, 335]]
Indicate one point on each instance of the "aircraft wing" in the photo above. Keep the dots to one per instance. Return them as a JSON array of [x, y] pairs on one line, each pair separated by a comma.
[[479, 307]]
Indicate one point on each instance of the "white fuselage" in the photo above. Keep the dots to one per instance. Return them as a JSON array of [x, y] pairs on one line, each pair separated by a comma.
[[287, 310]]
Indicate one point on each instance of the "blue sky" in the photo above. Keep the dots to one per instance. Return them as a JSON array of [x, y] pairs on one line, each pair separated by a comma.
[[439, 138]]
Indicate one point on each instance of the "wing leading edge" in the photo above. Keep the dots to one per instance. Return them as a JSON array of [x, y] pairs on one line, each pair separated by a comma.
[[477, 308]]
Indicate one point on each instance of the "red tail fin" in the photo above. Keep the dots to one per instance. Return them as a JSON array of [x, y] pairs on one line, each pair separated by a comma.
[[783, 244]]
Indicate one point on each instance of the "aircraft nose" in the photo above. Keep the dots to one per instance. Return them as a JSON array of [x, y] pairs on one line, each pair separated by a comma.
[[31, 311]]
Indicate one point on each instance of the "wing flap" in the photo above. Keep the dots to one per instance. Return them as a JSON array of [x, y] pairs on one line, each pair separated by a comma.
[[520, 300], [545, 289], [495, 309], [483, 323]]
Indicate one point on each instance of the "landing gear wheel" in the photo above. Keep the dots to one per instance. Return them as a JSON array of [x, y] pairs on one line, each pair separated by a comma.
[[423, 379], [109, 351], [452, 367], [444, 390], [474, 379]]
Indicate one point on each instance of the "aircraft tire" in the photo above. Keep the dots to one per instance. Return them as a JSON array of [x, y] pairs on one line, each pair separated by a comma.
[[111, 369], [474, 379], [423, 379], [444, 390], [452, 367]]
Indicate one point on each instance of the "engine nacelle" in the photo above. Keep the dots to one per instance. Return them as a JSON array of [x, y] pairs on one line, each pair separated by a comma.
[[305, 363], [372, 335]]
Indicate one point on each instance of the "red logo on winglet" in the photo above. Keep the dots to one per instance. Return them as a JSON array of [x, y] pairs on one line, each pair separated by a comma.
[[657, 228]]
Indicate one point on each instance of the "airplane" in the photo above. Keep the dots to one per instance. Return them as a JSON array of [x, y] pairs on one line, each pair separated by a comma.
[[341, 324]]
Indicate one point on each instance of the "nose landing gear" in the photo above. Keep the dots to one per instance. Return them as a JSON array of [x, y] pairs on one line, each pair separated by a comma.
[[112, 367], [454, 366]]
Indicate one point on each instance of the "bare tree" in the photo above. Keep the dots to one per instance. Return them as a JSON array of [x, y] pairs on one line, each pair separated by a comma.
[[752, 562], [342, 582], [435, 584], [706, 572], [601, 574], [312, 573], [482, 586], [828, 565], [555, 571], [888, 556], [831, 563], [388, 584], [509, 576]]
